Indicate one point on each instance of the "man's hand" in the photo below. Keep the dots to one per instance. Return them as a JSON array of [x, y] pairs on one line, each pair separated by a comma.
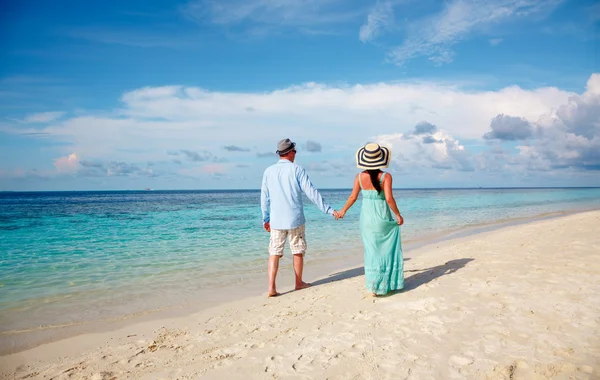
[[337, 215], [267, 226]]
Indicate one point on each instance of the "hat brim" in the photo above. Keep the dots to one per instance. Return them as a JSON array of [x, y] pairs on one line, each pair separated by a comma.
[[381, 163], [292, 147]]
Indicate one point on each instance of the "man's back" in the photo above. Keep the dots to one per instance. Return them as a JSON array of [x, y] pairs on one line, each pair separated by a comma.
[[285, 195], [281, 195]]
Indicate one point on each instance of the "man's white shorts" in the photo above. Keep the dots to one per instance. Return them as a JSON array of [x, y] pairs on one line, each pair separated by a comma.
[[297, 241]]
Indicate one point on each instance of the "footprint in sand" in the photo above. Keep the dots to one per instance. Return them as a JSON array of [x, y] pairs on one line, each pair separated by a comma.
[[273, 364], [303, 363]]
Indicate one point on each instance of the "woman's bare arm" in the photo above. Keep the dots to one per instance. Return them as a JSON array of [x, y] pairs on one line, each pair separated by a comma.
[[389, 197], [352, 198]]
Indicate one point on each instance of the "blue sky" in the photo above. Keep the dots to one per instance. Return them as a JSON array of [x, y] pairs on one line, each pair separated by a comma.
[[195, 94]]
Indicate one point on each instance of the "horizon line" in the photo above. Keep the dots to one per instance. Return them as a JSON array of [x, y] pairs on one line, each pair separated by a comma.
[[324, 188]]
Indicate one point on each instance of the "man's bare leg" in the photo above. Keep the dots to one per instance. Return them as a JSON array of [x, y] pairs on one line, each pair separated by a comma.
[[298, 269], [273, 267]]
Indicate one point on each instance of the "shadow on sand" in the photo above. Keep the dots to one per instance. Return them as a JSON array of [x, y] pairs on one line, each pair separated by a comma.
[[423, 276], [343, 275], [429, 274]]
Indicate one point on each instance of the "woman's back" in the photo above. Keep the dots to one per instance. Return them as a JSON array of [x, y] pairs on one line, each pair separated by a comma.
[[365, 180], [368, 190]]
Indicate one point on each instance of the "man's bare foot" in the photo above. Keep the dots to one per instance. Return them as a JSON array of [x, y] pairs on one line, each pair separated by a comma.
[[274, 294], [303, 285]]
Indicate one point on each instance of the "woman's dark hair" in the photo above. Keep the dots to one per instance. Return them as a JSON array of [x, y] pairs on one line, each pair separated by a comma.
[[374, 180]]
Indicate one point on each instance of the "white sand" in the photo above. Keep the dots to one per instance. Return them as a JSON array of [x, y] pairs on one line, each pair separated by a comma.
[[522, 302]]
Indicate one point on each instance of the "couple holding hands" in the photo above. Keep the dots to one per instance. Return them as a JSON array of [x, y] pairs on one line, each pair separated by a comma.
[[283, 216]]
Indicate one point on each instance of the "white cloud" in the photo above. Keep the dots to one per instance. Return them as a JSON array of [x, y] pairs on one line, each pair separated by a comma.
[[304, 16], [175, 118], [570, 136], [68, 164], [154, 121], [566, 137], [42, 117], [495, 41], [380, 18], [424, 149], [434, 36]]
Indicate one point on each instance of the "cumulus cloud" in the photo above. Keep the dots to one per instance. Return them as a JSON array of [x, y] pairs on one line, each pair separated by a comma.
[[68, 164], [427, 147], [581, 114], [506, 127], [569, 137], [313, 146], [153, 114], [160, 121]]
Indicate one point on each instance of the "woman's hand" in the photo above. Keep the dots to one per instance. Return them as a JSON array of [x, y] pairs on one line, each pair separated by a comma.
[[338, 214], [341, 214], [400, 219]]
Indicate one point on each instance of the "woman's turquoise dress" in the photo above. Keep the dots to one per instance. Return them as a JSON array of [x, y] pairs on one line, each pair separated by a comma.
[[380, 233]]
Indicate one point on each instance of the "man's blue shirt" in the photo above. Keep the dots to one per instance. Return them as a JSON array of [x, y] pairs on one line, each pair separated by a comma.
[[281, 195]]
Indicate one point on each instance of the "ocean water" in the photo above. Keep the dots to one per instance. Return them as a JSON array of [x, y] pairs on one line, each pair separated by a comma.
[[74, 257]]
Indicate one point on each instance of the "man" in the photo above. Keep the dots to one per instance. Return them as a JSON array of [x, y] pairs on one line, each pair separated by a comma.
[[283, 211]]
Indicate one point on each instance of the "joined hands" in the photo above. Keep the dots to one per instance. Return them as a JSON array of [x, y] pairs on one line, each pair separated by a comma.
[[338, 214]]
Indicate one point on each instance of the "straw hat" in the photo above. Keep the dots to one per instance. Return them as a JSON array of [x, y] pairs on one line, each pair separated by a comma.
[[372, 156]]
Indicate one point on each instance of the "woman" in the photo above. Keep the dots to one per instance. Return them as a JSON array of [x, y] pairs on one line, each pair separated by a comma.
[[380, 233]]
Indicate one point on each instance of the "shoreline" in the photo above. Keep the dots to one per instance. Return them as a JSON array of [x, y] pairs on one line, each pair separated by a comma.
[[319, 270], [473, 307]]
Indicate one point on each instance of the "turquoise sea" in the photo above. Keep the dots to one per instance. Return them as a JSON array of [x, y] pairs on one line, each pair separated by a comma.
[[74, 257]]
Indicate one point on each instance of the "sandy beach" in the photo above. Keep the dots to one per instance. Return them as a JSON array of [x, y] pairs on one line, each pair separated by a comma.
[[522, 302]]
